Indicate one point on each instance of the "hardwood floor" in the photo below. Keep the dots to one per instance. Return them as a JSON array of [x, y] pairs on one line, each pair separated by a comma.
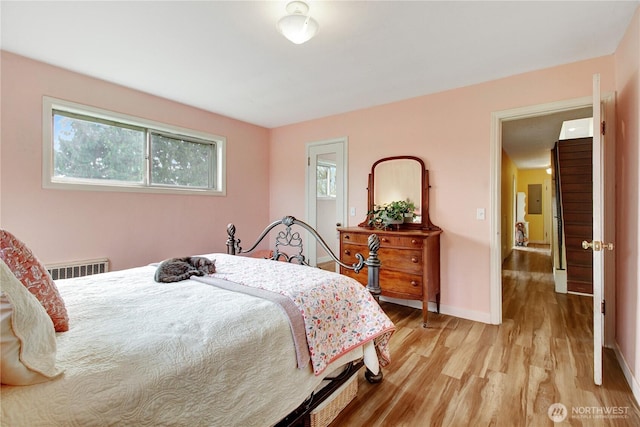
[[458, 372], [329, 266]]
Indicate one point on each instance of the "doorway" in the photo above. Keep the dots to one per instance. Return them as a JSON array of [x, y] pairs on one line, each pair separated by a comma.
[[496, 190], [326, 194], [496, 199]]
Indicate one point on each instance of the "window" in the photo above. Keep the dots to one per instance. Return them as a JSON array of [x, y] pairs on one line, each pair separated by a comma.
[[326, 180], [97, 149]]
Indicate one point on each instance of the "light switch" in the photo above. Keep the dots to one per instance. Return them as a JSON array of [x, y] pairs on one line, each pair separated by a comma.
[[480, 214], [352, 211]]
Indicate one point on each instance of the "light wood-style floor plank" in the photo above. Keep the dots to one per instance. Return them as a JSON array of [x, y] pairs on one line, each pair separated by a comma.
[[459, 373]]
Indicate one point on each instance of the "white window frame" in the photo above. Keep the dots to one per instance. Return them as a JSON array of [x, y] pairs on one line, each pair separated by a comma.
[[329, 165], [49, 181]]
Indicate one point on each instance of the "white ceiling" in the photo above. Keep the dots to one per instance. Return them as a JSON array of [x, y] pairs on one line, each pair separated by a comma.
[[528, 142], [227, 56]]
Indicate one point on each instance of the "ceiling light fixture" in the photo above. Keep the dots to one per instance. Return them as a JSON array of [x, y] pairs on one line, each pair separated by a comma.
[[298, 27]]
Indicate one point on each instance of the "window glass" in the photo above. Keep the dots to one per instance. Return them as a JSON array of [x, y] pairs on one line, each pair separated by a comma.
[[326, 180], [86, 148], [179, 162]]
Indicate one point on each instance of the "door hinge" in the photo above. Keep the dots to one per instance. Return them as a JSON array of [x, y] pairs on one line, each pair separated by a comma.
[[602, 307], [308, 161], [603, 127]]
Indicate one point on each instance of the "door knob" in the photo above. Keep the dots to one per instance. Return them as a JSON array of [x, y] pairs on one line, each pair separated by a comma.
[[597, 245]]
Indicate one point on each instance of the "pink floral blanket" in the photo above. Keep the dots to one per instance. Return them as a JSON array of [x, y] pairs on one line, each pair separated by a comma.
[[339, 313]]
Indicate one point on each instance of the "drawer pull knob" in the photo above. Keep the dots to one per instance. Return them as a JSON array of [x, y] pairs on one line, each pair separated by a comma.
[[414, 259], [346, 236], [414, 241], [414, 283], [384, 239], [347, 252]]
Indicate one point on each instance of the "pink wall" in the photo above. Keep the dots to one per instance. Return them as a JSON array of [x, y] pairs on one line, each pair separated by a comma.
[[627, 63], [450, 131], [129, 228]]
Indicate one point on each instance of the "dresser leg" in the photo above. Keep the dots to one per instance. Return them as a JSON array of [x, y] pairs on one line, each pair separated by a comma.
[[438, 302], [425, 313]]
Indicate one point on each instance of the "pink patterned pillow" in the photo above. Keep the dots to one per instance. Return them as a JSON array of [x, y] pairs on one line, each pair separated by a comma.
[[26, 267]]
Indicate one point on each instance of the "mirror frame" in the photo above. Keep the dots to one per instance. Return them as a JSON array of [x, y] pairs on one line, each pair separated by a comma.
[[426, 223]]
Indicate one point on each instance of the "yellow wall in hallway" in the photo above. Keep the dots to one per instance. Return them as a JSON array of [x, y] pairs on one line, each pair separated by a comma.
[[508, 176], [537, 223]]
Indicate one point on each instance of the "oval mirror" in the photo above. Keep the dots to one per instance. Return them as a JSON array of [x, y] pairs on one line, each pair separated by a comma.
[[401, 178]]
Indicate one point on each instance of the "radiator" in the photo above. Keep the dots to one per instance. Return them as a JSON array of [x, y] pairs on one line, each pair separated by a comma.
[[78, 268]]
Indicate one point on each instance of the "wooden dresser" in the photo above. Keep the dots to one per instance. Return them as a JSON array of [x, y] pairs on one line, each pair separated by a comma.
[[410, 262]]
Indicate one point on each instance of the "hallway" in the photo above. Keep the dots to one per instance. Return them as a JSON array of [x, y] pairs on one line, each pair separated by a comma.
[[457, 372]]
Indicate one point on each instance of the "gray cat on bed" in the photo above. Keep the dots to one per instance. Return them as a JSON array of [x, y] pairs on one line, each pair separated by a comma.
[[177, 269]]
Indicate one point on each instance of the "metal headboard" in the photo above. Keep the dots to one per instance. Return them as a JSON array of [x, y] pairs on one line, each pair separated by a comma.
[[292, 240]]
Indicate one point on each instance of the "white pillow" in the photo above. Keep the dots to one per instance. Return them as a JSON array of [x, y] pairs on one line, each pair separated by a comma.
[[27, 339]]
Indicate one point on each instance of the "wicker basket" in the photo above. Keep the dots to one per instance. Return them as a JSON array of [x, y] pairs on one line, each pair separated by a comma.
[[328, 410]]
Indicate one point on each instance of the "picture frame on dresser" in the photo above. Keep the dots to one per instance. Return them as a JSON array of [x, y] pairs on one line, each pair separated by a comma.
[[409, 253]]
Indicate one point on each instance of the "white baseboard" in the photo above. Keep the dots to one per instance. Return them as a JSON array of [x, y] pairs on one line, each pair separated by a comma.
[[560, 279], [406, 302], [631, 380], [476, 316]]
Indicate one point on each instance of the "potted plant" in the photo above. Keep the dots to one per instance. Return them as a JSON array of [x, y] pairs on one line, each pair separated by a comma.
[[392, 213]]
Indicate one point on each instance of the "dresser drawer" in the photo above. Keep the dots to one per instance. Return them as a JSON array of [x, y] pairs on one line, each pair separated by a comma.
[[401, 285], [386, 240], [393, 283], [408, 261], [401, 242], [349, 251], [357, 238]]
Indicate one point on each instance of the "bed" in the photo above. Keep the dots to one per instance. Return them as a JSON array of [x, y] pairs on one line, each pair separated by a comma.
[[200, 351]]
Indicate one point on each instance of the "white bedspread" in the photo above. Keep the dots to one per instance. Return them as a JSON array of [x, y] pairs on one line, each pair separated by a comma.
[[180, 354]]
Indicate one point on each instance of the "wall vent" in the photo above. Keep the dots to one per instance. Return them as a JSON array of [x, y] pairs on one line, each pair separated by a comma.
[[72, 269]]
